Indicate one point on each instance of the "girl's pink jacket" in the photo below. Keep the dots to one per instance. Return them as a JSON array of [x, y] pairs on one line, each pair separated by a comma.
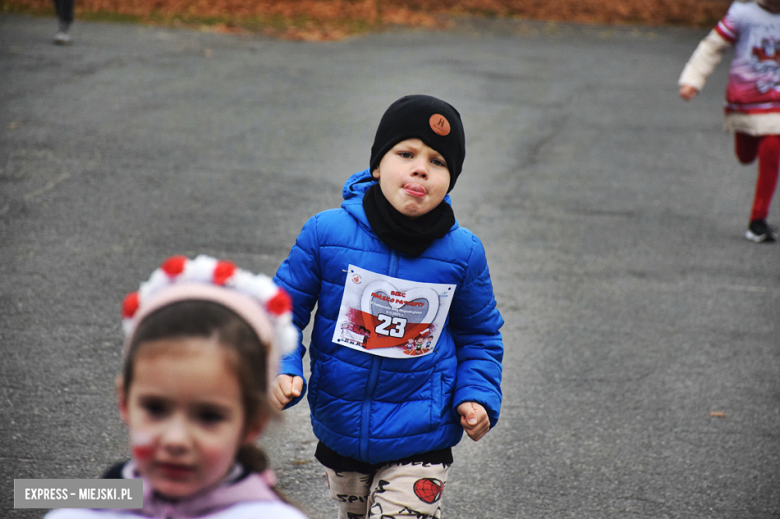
[[240, 496]]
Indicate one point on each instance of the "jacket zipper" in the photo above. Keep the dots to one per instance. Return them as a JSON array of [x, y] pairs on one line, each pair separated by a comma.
[[373, 377]]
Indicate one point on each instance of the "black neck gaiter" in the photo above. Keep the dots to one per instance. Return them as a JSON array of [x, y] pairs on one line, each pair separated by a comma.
[[402, 233]]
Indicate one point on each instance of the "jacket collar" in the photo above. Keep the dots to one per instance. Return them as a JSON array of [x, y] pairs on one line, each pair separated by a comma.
[[239, 486]]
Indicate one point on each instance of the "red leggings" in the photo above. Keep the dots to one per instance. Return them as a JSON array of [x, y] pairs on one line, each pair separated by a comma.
[[767, 148]]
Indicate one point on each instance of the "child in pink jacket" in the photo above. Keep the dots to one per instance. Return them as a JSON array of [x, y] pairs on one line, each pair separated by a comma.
[[203, 342]]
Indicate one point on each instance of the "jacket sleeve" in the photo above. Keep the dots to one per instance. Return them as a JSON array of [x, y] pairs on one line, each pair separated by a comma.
[[704, 60], [475, 323], [300, 276]]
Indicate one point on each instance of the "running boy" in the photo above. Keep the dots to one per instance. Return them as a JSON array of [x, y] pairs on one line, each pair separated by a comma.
[[752, 95], [406, 350]]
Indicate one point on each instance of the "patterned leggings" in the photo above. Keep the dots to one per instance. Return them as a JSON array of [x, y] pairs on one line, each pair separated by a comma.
[[409, 490]]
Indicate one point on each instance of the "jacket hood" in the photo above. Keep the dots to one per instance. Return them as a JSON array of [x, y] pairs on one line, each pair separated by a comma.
[[238, 487], [354, 189]]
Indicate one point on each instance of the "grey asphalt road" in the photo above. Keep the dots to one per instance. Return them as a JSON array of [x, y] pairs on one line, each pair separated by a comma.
[[612, 214]]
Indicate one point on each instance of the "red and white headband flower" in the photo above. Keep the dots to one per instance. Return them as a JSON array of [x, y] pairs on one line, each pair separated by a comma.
[[254, 297]]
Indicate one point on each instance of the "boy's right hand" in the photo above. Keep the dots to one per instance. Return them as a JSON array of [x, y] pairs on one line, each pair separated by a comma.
[[284, 389], [688, 92]]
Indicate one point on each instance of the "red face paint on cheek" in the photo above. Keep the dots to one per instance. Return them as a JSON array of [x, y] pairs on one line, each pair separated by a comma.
[[142, 445], [142, 452]]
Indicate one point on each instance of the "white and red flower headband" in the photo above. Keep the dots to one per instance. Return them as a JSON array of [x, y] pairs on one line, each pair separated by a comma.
[[255, 298]]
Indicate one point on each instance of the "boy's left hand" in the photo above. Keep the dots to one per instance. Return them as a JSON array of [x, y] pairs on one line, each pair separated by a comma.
[[474, 419]]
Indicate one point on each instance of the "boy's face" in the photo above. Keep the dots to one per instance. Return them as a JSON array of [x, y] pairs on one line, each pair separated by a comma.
[[413, 177]]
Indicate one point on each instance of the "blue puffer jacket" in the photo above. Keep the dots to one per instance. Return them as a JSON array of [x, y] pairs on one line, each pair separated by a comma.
[[376, 409]]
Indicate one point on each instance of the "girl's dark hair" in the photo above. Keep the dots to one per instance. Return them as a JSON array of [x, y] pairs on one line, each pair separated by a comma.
[[206, 319]]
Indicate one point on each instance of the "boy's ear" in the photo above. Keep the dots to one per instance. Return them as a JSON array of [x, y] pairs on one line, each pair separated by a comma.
[[375, 173], [121, 397]]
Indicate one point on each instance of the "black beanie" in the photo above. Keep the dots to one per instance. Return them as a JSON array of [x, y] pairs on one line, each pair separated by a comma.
[[431, 120]]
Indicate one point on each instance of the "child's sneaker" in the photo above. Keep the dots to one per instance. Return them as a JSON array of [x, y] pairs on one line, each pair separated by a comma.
[[760, 231], [62, 38]]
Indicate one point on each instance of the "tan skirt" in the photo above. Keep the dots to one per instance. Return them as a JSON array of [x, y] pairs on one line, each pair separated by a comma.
[[752, 124]]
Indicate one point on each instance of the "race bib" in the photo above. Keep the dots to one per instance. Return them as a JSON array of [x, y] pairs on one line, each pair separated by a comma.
[[391, 317]]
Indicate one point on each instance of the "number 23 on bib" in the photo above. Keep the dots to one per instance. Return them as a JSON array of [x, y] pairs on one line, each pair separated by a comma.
[[391, 317]]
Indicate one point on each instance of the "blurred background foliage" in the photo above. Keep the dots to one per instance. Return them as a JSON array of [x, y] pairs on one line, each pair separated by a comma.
[[335, 19]]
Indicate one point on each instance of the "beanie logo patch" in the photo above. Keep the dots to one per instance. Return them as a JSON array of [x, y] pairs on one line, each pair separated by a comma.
[[439, 124]]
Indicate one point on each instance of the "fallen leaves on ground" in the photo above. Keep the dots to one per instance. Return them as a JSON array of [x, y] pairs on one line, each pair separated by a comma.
[[335, 19]]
